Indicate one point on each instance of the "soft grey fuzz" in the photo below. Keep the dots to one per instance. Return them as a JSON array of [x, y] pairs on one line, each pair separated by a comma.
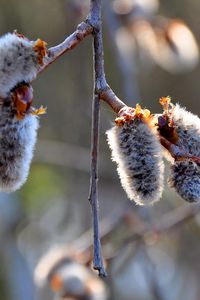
[[17, 141], [137, 152], [185, 178], [188, 128], [18, 62]]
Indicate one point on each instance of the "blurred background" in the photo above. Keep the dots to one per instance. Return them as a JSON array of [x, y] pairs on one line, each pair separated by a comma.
[[151, 50]]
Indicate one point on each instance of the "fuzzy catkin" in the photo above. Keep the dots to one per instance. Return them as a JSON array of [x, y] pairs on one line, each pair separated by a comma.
[[137, 152], [187, 126], [185, 178], [18, 62], [17, 141]]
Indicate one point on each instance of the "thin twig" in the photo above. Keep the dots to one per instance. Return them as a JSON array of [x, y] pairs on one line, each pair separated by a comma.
[[93, 195], [84, 29], [99, 84], [111, 99], [177, 152]]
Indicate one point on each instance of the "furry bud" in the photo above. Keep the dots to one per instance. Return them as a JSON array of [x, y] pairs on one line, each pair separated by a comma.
[[185, 178], [180, 127], [17, 141], [187, 126], [137, 152], [20, 60]]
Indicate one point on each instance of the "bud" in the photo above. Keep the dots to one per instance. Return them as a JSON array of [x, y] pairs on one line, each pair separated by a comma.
[[185, 178], [137, 152]]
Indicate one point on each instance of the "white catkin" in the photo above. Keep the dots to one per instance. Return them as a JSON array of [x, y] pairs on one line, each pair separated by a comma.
[[17, 142], [188, 128], [185, 179], [137, 152], [18, 62]]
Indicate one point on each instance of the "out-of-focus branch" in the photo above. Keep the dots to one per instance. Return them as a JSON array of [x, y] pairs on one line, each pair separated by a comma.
[[63, 154], [141, 231], [127, 71], [168, 222]]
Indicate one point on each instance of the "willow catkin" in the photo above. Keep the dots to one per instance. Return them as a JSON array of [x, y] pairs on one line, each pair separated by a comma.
[[187, 126], [17, 141], [137, 152], [19, 61], [182, 130], [185, 178]]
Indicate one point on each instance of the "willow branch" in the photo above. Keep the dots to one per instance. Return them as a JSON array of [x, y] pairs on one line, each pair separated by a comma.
[[105, 93], [83, 30]]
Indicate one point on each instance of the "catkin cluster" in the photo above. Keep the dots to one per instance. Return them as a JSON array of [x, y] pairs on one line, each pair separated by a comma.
[[135, 142], [20, 60]]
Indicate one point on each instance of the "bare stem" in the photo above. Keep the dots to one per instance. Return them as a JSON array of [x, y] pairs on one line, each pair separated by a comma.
[[99, 84], [93, 196]]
